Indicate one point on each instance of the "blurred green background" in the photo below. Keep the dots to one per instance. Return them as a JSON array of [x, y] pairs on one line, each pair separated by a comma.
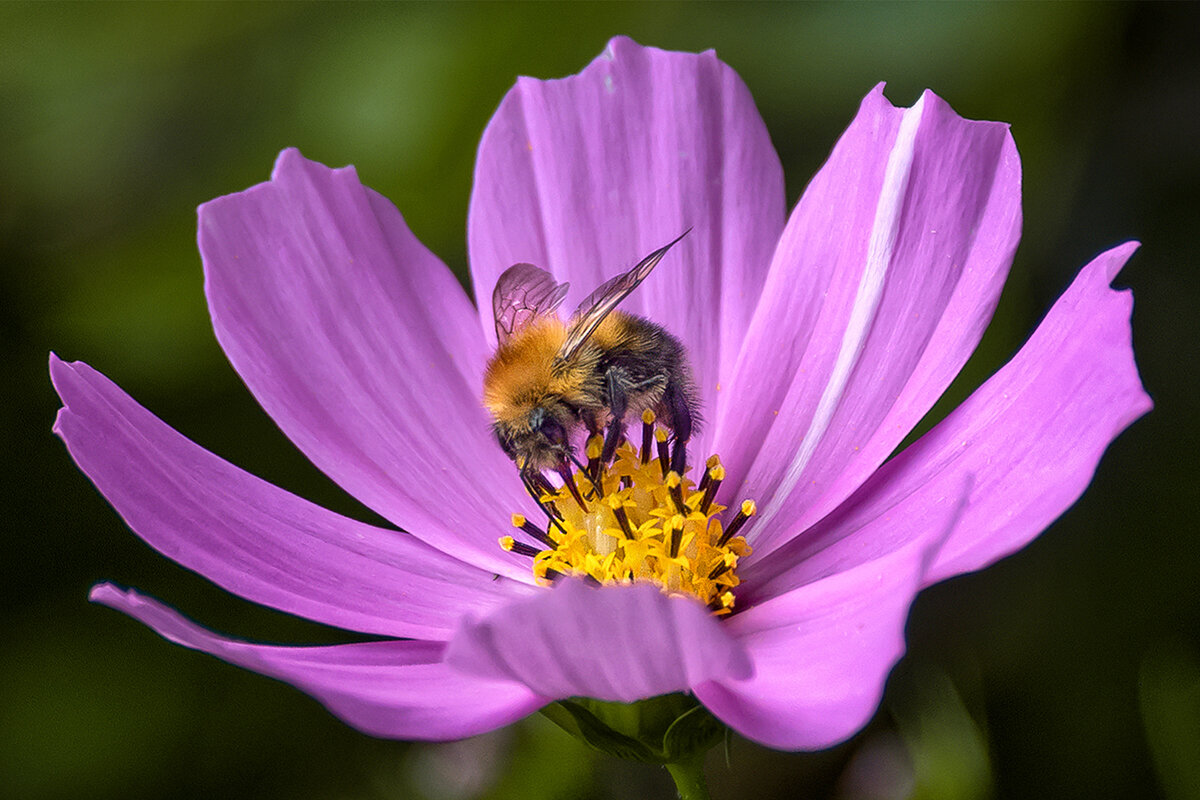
[[1071, 670]]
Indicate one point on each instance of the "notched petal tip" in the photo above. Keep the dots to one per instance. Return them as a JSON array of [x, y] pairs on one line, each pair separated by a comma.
[[894, 260], [67, 378], [1032, 435], [102, 592], [288, 164], [113, 596], [1113, 260], [397, 689], [290, 160], [617, 43], [59, 370], [57, 366], [287, 158], [622, 45], [57, 427], [254, 539]]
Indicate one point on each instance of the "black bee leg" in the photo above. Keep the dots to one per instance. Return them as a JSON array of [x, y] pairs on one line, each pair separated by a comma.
[[537, 486], [592, 423], [532, 481], [564, 471], [681, 423], [618, 404]]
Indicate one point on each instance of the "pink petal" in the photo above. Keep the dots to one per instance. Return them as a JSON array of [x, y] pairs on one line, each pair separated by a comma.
[[843, 542], [623, 642], [822, 652], [255, 539], [1031, 437], [363, 348], [584, 176], [881, 287], [398, 690]]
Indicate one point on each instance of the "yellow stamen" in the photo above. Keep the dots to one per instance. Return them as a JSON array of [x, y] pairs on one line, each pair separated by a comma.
[[594, 446], [660, 443], [654, 525], [710, 485], [647, 433], [520, 548]]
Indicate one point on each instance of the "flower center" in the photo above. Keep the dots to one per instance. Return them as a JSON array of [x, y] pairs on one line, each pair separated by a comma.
[[635, 520]]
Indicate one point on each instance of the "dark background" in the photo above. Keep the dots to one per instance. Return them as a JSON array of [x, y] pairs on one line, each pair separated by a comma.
[[1071, 670]]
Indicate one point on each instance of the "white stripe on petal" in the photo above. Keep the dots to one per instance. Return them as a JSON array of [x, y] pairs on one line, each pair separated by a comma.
[[884, 231]]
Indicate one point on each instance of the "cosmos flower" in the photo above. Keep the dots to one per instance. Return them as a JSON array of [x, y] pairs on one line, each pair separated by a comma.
[[818, 341]]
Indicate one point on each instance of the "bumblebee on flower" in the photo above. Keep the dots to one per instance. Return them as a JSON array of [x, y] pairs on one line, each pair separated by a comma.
[[831, 334], [548, 378]]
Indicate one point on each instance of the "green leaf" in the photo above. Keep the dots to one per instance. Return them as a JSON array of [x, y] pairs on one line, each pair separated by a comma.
[[660, 730], [595, 733], [692, 732]]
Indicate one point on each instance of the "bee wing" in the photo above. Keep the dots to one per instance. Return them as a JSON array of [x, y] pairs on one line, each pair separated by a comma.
[[523, 293], [596, 307]]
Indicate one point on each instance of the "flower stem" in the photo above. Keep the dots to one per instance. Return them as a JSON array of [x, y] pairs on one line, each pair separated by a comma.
[[689, 777]]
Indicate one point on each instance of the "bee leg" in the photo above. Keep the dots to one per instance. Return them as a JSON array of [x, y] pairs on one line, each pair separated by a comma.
[[537, 485], [531, 485], [564, 471], [591, 421], [618, 404], [681, 423], [593, 475]]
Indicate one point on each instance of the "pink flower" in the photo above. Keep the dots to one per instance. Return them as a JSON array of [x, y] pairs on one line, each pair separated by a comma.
[[818, 342]]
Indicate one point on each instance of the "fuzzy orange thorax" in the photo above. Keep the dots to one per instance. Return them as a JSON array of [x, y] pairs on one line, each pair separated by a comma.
[[526, 370]]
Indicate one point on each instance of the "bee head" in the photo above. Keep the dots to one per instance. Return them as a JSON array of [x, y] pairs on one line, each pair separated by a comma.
[[539, 438]]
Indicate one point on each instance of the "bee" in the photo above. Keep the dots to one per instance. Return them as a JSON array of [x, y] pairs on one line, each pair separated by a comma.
[[548, 379]]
